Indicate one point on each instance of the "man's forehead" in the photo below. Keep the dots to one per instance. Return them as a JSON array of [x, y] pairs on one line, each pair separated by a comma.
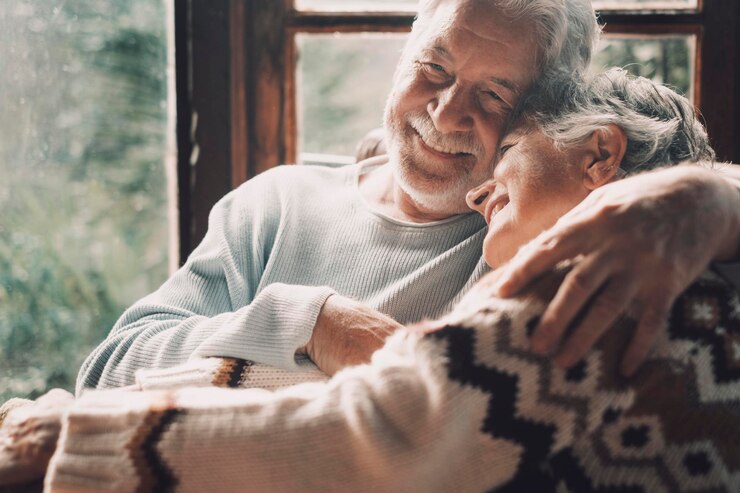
[[440, 49], [487, 24], [490, 49]]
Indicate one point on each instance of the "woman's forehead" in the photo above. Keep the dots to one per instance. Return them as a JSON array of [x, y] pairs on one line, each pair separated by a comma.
[[522, 128]]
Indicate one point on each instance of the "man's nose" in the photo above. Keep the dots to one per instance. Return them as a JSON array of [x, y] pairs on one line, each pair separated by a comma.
[[479, 196], [450, 110]]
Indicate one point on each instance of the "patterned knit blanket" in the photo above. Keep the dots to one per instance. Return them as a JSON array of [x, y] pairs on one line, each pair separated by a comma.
[[674, 427], [465, 408]]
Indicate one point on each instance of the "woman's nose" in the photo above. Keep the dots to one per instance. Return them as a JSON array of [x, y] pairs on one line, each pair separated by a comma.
[[477, 197]]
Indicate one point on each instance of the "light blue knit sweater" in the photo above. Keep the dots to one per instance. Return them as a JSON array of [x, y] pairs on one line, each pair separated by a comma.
[[276, 248]]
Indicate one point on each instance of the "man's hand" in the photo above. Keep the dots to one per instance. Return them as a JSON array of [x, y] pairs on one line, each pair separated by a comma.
[[347, 333], [643, 240], [28, 438]]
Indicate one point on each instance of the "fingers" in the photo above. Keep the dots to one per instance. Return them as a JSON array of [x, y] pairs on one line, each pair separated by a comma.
[[605, 310], [577, 288], [653, 320], [26, 445], [541, 255]]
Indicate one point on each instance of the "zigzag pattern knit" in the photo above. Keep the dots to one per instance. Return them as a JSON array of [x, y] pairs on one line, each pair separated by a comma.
[[467, 408]]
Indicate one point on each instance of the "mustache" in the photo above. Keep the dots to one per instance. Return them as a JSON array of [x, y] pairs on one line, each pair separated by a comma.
[[454, 142]]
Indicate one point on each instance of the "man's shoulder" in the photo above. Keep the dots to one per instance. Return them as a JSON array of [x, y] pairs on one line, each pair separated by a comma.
[[285, 184], [303, 174]]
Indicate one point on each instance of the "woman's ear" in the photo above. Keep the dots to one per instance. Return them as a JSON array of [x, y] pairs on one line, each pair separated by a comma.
[[605, 150]]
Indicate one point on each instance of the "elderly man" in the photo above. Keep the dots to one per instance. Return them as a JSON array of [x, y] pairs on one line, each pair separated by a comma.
[[326, 263]]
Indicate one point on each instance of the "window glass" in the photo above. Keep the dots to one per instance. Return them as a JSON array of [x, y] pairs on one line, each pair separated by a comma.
[[344, 80], [411, 5], [83, 194], [645, 4], [665, 59], [357, 5]]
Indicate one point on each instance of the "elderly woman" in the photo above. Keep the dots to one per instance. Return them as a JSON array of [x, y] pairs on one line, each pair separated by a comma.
[[570, 140], [459, 404]]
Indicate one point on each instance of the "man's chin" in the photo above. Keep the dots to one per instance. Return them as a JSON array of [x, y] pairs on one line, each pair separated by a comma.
[[441, 194]]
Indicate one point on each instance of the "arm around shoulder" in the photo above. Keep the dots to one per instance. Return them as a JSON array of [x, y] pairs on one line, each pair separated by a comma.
[[730, 250]]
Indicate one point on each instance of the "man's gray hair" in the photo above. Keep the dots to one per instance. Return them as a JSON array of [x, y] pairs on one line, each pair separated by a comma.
[[566, 30], [661, 126]]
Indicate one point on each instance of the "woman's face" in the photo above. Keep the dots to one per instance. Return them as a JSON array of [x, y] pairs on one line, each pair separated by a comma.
[[533, 185]]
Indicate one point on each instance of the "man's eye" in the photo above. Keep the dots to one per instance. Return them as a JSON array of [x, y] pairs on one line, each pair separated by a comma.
[[435, 69], [492, 102], [493, 95]]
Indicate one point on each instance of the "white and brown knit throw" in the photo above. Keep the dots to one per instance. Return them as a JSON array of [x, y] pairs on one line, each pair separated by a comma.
[[674, 427], [465, 408]]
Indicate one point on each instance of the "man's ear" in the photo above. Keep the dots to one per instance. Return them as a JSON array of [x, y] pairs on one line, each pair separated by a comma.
[[605, 150]]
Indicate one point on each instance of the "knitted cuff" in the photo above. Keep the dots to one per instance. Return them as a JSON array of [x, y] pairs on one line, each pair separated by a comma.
[[272, 328]]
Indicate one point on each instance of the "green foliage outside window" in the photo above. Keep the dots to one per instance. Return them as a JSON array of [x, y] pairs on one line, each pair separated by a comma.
[[666, 60], [83, 193]]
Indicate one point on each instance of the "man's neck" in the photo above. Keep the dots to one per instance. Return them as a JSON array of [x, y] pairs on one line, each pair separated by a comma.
[[382, 191]]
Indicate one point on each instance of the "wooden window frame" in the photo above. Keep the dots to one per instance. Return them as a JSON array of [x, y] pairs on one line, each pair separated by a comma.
[[235, 78]]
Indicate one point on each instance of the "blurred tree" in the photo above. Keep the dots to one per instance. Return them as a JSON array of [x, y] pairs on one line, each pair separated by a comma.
[[82, 143], [665, 59], [327, 67], [49, 318], [344, 82]]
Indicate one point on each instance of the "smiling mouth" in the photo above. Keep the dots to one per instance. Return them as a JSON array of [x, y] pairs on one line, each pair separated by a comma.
[[494, 207], [439, 150]]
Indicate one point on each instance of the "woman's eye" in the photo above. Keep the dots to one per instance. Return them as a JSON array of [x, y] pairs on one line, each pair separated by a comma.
[[504, 148]]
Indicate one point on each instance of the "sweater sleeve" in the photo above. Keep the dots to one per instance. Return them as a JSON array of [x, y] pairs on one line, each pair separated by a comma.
[[396, 424], [215, 304]]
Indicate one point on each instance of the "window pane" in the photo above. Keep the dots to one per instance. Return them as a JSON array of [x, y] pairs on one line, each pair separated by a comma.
[[411, 5], [665, 59], [344, 80], [357, 5], [84, 227], [645, 4]]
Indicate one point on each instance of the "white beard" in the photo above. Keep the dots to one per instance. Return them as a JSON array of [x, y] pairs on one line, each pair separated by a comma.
[[444, 198], [434, 193]]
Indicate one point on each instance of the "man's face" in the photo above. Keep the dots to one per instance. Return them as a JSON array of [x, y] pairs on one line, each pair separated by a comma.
[[456, 83]]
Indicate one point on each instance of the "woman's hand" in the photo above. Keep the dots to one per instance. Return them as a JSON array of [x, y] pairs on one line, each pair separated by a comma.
[[643, 240], [28, 438]]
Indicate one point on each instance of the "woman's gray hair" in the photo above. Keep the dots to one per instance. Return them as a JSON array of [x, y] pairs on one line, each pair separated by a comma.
[[661, 126], [566, 30]]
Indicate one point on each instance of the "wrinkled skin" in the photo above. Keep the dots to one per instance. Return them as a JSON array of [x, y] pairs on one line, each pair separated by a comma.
[[347, 333]]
